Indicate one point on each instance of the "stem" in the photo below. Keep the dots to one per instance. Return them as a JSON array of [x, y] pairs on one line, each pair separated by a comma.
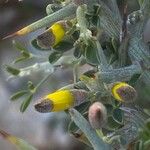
[[46, 21], [121, 74], [42, 81], [85, 33]]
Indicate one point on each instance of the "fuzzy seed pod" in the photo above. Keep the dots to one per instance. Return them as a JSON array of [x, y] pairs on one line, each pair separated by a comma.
[[123, 92], [53, 35], [61, 100], [97, 115]]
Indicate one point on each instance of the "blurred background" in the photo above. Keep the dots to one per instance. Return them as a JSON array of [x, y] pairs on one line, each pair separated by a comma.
[[44, 131]]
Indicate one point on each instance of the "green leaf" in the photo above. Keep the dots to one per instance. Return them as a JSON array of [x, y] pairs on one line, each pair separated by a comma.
[[36, 46], [63, 46], [54, 57], [91, 53], [19, 46], [26, 103], [118, 115], [83, 108], [19, 143], [77, 52], [114, 44], [112, 124], [109, 109], [30, 85], [140, 2], [26, 54], [18, 95], [134, 79], [12, 70], [72, 128], [20, 59]]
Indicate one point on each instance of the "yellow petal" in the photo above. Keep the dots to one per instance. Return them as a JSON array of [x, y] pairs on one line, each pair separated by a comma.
[[61, 100]]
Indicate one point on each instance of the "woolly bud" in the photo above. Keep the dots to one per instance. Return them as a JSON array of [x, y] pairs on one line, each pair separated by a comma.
[[53, 35], [123, 92], [61, 100], [97, 115]]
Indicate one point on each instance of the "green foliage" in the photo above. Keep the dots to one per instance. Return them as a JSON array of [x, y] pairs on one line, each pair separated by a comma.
[[94, 40], [12, 70]]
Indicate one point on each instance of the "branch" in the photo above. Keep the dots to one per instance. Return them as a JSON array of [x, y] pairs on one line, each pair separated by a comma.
[[121, 74]]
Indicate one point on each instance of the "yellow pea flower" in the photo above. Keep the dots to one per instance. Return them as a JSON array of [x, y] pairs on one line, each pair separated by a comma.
[[53, 35], [123, 92], [61, 100]]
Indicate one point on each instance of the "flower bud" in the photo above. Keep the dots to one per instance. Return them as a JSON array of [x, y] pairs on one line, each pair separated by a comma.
[[123, 92], [97, 115], [61, 100], [53, 35]]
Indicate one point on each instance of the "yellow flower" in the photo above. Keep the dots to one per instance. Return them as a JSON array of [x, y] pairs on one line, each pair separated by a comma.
[[123, 92], [53, 35], [61, 100]]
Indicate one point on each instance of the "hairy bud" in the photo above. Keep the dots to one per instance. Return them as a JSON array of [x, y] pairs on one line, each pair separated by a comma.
[[97, 115]]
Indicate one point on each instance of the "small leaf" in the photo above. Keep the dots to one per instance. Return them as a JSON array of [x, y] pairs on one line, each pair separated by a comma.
[[73, 128], [109, 109], [26, 54], [140, 2], [112, 124], [54, 57], [26, 103], [114, 44], [83, 107], [91, 54], [134, 79], [19, 46], [63, 46], [118, 115], [18, 95], [19, 60], [12, 70], [31, 85], [77, 52], [36, 46]]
